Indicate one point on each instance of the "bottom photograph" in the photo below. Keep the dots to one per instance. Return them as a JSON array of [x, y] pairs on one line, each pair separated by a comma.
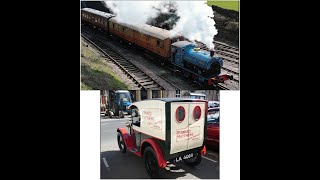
[[159, 134]]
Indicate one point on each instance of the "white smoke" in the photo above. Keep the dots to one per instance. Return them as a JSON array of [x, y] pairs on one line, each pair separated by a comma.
[[133, 12], [194, 23]]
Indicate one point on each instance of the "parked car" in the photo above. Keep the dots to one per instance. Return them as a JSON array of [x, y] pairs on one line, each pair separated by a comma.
[[213, 117], [212, 104]]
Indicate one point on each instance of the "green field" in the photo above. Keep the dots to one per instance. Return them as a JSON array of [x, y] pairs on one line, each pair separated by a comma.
[[233, 5], [96, 74]]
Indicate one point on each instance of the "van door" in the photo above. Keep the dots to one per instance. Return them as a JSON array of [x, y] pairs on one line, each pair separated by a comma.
[[196, 124], [187, 126], [179, 127]]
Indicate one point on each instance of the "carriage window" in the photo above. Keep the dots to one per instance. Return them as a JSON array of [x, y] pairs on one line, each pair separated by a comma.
[[135, 117], [160, 43]]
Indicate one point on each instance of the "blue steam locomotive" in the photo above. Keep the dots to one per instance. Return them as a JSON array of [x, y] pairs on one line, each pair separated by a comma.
[[198, 64]]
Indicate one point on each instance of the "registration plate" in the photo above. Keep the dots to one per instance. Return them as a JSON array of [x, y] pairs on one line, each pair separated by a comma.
[[187, 156]]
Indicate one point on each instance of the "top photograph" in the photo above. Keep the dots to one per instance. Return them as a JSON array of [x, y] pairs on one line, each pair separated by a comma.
[[159, 45]]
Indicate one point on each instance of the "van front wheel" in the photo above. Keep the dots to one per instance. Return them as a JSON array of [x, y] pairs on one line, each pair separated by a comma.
[[121, 143]]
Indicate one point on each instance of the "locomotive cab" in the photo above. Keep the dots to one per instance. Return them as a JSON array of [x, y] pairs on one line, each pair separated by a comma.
[[166, 129]]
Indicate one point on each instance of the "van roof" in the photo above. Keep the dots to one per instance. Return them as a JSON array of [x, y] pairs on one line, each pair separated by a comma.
[[178, 100]]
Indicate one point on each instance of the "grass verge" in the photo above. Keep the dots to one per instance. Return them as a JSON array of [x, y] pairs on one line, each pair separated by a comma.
[[96, 74], [231, 5]]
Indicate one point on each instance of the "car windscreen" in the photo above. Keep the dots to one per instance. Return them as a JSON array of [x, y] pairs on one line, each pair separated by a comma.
[[213, 104]]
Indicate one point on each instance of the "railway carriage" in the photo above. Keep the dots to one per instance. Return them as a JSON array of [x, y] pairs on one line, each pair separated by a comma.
[[165, 130], [151, 38], [97, 18]]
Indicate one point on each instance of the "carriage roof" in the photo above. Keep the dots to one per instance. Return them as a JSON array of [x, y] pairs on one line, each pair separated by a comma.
[[100, 13]]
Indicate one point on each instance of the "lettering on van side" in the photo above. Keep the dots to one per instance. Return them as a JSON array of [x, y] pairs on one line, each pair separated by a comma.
[[152, 118]]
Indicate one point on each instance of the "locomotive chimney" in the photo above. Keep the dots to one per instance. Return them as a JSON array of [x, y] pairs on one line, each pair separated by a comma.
[[211, 52]]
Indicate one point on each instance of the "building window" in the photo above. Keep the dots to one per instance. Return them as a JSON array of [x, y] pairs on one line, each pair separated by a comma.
[[155, 93], [113, 25], [144, 94], [178, 93]]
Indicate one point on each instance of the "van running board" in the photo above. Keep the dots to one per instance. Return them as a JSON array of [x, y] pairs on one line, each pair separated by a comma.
[[134, 150]]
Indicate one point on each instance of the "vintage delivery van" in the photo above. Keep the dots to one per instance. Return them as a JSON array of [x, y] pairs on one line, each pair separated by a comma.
[[166, 129]]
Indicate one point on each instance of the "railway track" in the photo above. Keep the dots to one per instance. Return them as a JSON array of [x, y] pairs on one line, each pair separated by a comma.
[[226, 50], [140, 79], [228, 56], [226, 47], [225, 54], [220, 87]]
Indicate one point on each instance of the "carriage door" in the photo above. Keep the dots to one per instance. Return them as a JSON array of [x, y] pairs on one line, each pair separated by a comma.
[[196, 124]]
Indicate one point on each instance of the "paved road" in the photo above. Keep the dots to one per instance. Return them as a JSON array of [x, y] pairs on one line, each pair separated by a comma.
[[115, 164]]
